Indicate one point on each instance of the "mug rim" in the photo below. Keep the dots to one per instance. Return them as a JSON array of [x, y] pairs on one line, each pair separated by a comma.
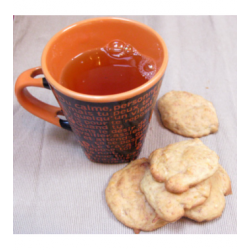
[[105, 98]]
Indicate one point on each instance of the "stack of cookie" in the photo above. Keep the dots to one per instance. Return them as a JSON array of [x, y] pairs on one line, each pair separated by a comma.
[[183, 179]]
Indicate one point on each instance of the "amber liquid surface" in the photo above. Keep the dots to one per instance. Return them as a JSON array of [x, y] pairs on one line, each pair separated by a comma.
[[113, 69]]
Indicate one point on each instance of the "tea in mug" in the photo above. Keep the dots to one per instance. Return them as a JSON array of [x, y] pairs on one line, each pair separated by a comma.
[[115, 68]]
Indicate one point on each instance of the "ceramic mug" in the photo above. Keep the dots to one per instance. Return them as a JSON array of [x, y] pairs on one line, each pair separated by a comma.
[[110, 128]]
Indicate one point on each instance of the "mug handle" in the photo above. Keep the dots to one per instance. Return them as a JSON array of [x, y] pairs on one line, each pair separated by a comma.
[[38, 108]]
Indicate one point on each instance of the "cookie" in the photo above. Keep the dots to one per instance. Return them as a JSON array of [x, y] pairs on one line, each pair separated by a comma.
[[127, 202], [214, 205], [183, 164], [188, 114], [170, 206]]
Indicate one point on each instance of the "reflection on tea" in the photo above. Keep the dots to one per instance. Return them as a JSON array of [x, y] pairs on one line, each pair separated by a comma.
[[112, 69]]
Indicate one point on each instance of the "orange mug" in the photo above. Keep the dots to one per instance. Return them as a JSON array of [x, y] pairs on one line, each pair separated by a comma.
[[110, 128]]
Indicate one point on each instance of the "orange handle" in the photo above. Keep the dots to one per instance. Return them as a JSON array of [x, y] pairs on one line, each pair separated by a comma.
[[33, 105]]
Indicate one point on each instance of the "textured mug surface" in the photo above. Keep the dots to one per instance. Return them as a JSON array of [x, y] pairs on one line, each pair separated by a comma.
[[111, 132]]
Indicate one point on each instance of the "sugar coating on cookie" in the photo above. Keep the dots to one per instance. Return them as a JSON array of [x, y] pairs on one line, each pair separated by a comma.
[[127, 202], [188, 114], [183, 164], [214, 205], [170, 206]]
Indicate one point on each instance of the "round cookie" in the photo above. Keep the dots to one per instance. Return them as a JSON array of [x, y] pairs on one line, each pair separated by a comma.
[[183, 164], [170, 206], [188, 114], [127, 202], [214, 205]]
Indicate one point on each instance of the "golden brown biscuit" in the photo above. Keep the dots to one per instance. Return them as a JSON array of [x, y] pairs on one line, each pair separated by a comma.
[[170, 206], [215, 203], [127, 202], [183, 164], [188, 114]]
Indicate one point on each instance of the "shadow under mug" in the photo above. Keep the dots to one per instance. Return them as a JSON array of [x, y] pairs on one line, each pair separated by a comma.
[[111, 128]]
